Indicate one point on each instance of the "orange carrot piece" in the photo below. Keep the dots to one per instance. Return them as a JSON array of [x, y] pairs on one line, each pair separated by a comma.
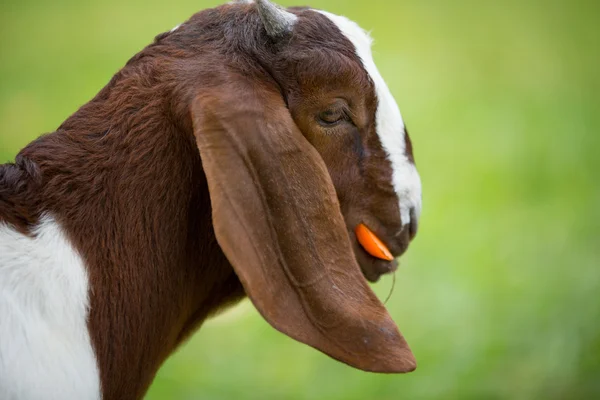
[[372, 244]]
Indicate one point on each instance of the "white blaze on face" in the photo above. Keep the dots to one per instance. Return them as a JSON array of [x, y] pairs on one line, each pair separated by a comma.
[[390, 126]]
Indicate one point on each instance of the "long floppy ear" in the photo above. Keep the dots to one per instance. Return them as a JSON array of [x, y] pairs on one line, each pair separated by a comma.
[[277, 218]]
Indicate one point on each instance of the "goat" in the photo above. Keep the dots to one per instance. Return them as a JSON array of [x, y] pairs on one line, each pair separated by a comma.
[[236, 154]]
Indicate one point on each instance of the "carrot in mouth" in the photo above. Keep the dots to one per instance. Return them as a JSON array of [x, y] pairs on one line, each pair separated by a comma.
[[372, 244]]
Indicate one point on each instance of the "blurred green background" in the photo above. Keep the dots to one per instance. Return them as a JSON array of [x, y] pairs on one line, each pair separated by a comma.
[[499, 296]]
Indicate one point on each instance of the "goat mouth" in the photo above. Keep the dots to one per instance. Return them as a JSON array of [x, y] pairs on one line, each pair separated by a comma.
[[373, 255]]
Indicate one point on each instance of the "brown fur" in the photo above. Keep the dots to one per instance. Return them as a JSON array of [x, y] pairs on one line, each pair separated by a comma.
[[124, 178]]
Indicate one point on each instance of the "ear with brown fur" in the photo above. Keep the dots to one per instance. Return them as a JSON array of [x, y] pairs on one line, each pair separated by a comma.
[[277, 218]]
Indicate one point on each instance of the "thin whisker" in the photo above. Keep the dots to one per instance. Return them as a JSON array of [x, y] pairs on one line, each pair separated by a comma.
[[391, 289]]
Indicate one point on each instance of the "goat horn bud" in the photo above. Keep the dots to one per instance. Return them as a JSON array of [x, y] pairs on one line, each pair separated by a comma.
[[277, 21], [372, 244]]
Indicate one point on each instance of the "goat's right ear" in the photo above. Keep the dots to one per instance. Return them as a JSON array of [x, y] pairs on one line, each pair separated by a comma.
[[277, 218]]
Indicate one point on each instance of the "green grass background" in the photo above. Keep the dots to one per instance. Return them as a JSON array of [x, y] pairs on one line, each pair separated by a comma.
[[499, 296]]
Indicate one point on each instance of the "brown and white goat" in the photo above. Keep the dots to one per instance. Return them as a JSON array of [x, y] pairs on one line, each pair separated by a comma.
[[235, 155]]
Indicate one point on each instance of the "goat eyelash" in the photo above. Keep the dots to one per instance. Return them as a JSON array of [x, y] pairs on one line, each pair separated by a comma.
[[345, 116]]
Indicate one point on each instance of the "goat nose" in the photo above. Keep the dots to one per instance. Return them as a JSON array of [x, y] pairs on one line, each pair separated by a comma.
[[414, 223]]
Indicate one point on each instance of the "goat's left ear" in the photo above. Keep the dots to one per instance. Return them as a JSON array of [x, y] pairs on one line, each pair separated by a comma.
[[277, 218]]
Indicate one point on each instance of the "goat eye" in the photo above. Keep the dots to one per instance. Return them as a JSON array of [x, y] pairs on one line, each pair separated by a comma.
[[331, 117]]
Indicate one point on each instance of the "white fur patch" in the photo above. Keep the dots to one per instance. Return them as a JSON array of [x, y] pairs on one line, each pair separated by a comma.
[[45, 347], [390, 126]]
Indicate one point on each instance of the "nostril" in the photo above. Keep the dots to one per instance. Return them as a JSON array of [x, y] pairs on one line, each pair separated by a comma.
[[414, 224]]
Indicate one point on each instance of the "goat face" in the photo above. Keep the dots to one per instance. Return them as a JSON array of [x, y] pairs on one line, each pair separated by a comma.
[[342, 105], [323, 67]]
